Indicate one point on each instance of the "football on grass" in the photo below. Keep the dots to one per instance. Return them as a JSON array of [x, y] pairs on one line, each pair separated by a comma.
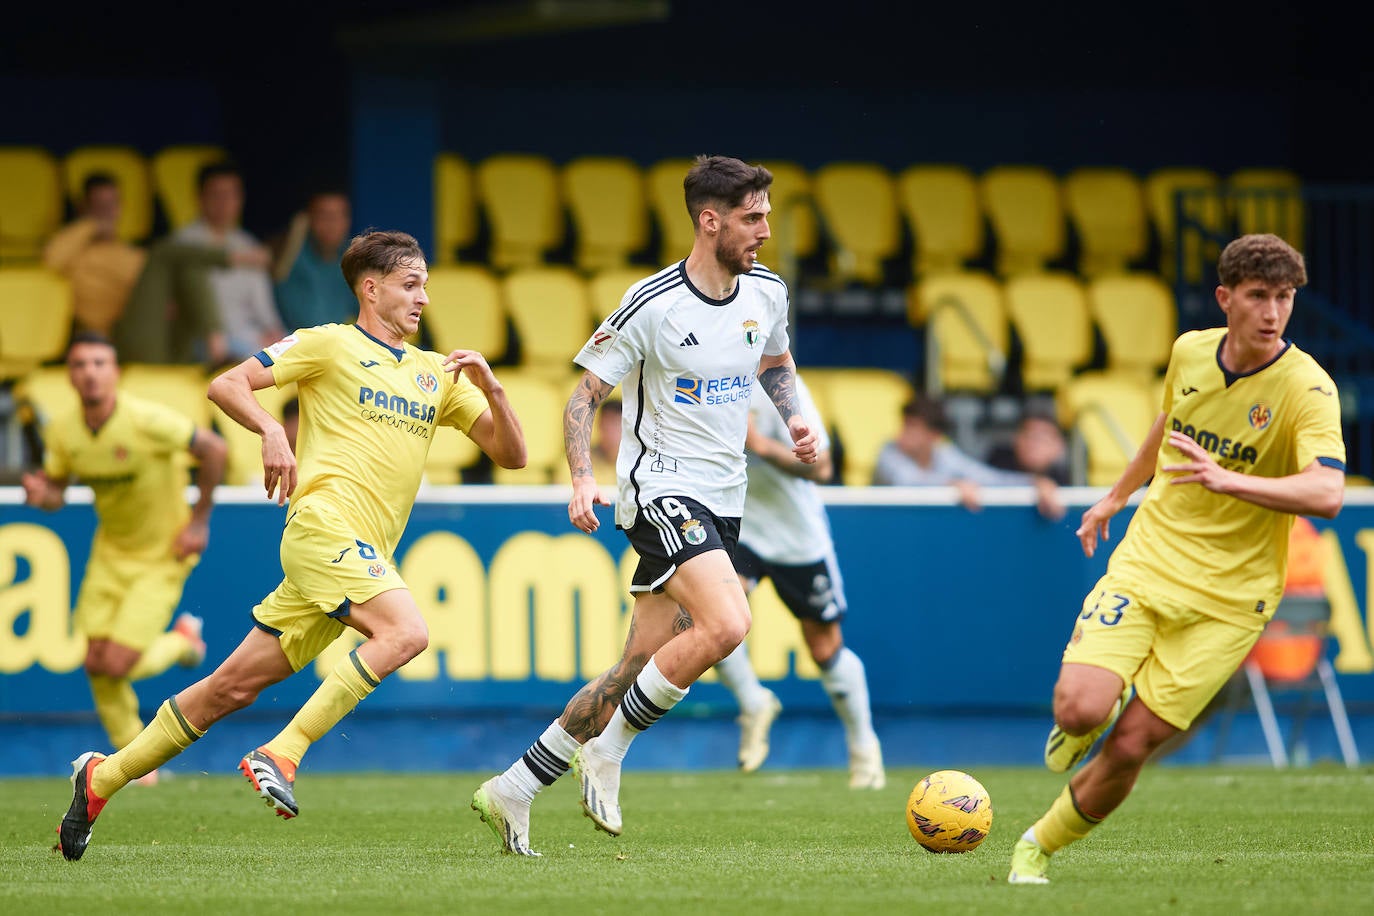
[[949, 811]]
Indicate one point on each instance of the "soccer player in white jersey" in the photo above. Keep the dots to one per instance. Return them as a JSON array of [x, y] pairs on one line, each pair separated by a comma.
[[1249, 435], [369, 406], [687, 346], [785, 536]]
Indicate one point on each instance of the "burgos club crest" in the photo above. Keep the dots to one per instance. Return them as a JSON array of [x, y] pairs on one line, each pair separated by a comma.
[[376, 570], [427, 382], [693, 533], [751, 333], [1260, 415]]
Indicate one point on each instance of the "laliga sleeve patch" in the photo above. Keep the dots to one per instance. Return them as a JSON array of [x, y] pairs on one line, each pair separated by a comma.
[[281, 346], [601, 341]]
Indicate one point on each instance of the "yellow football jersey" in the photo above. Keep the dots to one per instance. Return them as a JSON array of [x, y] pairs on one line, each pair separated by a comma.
[[1225, 556], [131, 463], [368, 415]]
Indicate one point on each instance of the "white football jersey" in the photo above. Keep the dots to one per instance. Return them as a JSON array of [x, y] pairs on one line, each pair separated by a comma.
[[686, 365], [784, 518]]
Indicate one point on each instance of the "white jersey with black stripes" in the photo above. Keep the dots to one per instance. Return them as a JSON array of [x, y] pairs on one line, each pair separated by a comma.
[[687, 366]]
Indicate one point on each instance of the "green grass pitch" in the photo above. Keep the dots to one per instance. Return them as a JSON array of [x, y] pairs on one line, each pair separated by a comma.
[[1190, 840]]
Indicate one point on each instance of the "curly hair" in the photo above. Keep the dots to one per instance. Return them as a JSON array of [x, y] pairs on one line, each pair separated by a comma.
[[379, 251], [1262, 257]]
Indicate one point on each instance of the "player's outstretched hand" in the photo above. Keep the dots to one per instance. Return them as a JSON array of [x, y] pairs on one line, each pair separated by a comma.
[[191, 540], [581, 508], [278, 466], [1198, 465], [804, 440], [472, 363], [1097, 523]]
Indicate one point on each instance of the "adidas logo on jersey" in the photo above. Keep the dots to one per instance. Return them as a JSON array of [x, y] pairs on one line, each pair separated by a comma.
[[689, 341]]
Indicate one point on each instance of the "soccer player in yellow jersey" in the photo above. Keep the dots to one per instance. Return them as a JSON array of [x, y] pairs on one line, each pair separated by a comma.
[[129, 452], [1249, 436], [369, 406]]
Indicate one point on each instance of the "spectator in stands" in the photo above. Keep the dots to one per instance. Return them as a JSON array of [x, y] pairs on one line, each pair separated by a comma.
[[922, 455], [310, 287], [247, 312], [1039, 455], [101, 267]]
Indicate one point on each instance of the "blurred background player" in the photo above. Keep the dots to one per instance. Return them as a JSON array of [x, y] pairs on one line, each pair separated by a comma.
[[1202, 566], [785, 536], [147, 540]]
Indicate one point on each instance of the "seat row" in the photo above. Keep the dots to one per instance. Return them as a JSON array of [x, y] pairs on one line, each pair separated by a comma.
[[1024, 213], [35, 187]]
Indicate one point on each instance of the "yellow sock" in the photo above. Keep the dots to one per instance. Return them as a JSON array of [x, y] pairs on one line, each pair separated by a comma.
[[117, 706], [345, 687], [166, 736], [165, 652], [1063, 824]]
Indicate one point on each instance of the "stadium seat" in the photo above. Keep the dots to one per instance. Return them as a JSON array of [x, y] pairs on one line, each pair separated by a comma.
[[796, 234], [1049, 312], [940, 203], [35, 318], [857, 202], [675, 229], [1108, 416], [449, 453], [538, 401], [606, 288], [519, 193], [1268, 200], [30, 203], [1162, 187], [50, 390], [1024, 205], [552, 316], [465, 311], [129, 169], [966, 331], [175, 169], [180, 387], [610, 217], [1106, 207], [864, 409], [455, 207], [1136, 315], [245, 447]]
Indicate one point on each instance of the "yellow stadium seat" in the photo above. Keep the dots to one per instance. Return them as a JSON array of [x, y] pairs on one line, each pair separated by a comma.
[[245, 447], [519, 193], [1023, 204], [35, 318], [795, 231], [865, 411], [858, 207], [1107, 209], [465, 311], [538, 402], [966, 330], [940, 203], [455, 207], [49, 389], [1049, 312], [1138, 320], [605, 197], [669, 207], [1162, 187], [449, 453], [552, 316], [175, 170], [128, 167], [1268, 200], [30, 203], [606, 288], [180, 387], [1109, 417]]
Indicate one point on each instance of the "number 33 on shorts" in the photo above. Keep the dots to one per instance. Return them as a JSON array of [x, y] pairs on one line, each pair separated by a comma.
[[1106, 609]]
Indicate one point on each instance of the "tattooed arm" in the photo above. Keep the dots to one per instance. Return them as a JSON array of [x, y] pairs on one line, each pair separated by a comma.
[[577, 446], [778, 376]]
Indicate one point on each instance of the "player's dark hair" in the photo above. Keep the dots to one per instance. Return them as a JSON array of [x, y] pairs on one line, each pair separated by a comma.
[[1263, 257], [97, 180], [91, 337], [378, 251], [725, 182], [216, 169], [928, 410]]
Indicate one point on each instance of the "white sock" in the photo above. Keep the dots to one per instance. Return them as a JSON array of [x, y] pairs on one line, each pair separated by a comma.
[[736, 673], [846, 682], [649, 697], [545, 761]]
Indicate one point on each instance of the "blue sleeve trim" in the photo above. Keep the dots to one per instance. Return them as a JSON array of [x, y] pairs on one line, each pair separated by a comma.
[[1332, 463], [264, 358]]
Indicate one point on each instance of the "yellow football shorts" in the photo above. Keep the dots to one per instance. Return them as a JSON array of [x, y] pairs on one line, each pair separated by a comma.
[[129, 600], [1176, 657], [327, 568]]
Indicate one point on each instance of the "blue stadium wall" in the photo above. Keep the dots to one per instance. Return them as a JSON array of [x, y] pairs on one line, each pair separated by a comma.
[[960, 618]]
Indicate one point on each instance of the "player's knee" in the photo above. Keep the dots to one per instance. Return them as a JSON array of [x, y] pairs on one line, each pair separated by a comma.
[[726, 633], [412, 642], [1076, 713]]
